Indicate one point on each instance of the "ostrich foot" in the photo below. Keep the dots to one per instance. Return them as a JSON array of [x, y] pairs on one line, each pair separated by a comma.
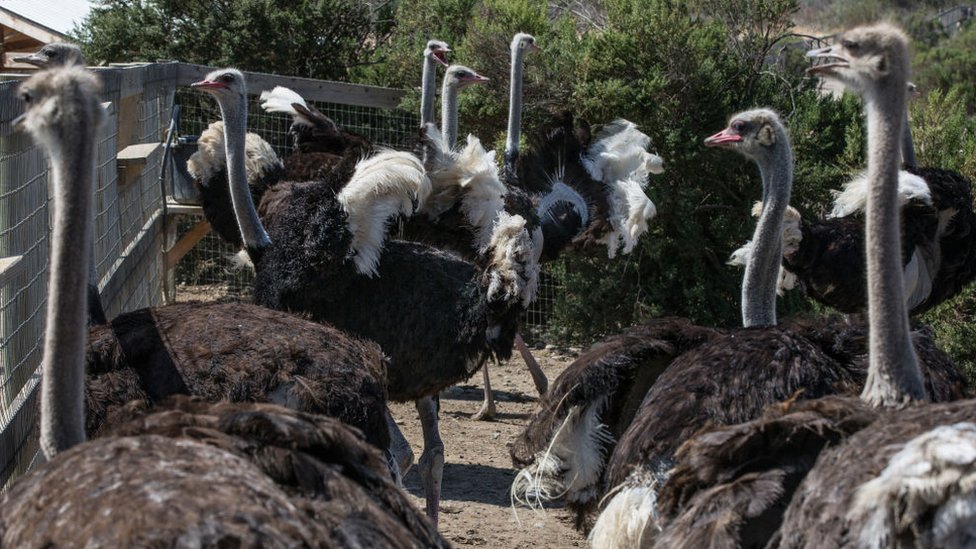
[[487, 411], [538, 377], [431, 466]]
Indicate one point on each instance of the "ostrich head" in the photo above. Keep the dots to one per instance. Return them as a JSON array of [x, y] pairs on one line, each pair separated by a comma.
[[754, 134], [227, 86], [460, 77], [59, 101], [54, 55], [864, 58], [524, 41], [437, 50]]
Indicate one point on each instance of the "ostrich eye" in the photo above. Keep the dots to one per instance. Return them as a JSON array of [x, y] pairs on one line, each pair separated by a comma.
[[850, 45], [738, 126], [226, 78], [26, 97]]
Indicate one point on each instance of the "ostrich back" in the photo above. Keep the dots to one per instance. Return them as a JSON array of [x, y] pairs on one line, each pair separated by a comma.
[[240, 474], [729, 380], [614, 373], [818, 515], [731, 485], [235, 352]]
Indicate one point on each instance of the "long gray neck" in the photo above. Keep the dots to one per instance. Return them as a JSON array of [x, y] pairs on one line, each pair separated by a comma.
[[63, 364], [908, 145], [762, 272], [428, 83], [893, 372], [449, 113], [514, 110], [255, 238]]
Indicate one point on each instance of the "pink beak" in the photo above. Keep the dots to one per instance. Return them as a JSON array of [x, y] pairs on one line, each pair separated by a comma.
[[208, 84], [724, 136]]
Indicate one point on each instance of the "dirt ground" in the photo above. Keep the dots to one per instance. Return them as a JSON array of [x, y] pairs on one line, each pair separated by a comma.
[[475, 505]]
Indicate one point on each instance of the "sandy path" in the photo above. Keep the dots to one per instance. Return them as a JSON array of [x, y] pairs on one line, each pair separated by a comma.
[[475, 508]]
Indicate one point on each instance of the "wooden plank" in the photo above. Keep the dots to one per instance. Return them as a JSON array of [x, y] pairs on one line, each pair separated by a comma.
[[10, 268], [313, 90], [185, 244], [30, 28], [136, 155]]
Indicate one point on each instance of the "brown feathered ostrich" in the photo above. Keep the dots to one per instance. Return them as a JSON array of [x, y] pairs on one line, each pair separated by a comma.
[[902, 481], [730, 486], [731, 379], [240, 474], [59, 54], [437, 317]]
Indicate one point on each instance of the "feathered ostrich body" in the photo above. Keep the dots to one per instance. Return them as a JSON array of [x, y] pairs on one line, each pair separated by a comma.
[[241, 474], [731, 379], [437, 317]]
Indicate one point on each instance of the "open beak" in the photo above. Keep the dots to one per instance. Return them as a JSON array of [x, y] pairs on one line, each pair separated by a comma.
[[32, 59], [725, 136], [18, 123], [535, 47], [441, 55], [209, 85], [834, 61]]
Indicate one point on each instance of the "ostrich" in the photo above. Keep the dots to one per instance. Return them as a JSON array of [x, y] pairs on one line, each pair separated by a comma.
[[731, 379], [56, 54], [60, 54], [437, 317], [247, 474], [938, 256]]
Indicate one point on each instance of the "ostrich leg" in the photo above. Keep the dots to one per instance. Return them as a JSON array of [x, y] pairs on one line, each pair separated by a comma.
[[400, 449], [431, 462], [538, 377], [488, 409]]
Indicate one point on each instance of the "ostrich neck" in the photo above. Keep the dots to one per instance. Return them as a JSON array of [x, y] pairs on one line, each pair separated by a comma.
[[908, 145], [255, 238], [893, 372], [63, 364], [427, 91], [449, 113], [762, 272], [514, 110]]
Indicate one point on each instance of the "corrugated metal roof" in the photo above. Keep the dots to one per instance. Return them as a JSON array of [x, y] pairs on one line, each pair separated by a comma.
[[58, 15]]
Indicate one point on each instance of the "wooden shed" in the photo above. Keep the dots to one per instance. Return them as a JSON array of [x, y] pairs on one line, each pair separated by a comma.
[[26, 25]]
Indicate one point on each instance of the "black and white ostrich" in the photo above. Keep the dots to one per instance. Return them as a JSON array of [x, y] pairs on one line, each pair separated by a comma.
[[825, 257], [731, 379], [244, 474], [437, 317], [435, 53]]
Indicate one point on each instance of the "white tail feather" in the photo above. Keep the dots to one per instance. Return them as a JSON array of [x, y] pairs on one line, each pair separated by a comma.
[[210, 156], [619, 150], [482, 192], [630, 210], [631, 512], [280, 99], [513, 273], [853, 198], [382, 187], [571, 465]]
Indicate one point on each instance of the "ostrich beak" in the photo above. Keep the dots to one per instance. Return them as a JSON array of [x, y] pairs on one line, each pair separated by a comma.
[[725, 136], [32, 59], [209, 85], [18, 123], [835, 61], [441, 55], [477, 79]]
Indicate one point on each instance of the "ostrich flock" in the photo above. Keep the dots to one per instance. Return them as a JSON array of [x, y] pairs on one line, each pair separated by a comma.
[[266, 423]]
